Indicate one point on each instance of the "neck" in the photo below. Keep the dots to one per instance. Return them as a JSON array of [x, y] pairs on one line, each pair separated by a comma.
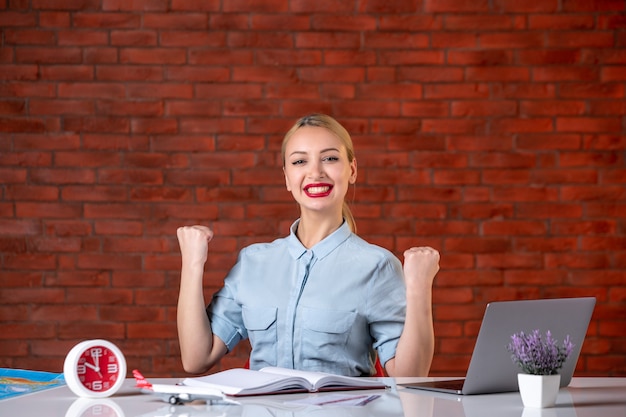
[[313, 229]]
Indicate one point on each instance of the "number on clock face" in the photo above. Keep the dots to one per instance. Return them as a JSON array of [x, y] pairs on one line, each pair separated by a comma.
[[98, 368]]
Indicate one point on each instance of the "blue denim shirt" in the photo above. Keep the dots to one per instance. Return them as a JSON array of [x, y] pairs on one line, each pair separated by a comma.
[[320, 309]]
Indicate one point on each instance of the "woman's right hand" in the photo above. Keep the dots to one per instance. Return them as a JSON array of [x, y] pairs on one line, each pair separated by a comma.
[[200, 349], [194, 243]]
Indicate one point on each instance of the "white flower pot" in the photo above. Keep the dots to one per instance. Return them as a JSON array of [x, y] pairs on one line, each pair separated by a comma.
[[538, 391]]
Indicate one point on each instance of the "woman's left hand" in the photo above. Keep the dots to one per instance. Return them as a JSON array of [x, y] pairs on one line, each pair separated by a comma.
[[421, 264]]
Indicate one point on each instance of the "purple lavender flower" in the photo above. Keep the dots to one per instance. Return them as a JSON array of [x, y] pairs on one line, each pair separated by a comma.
[[538, 356]]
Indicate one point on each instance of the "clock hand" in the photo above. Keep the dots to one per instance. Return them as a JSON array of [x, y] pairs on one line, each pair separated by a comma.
[[95, 368], [96, 358]]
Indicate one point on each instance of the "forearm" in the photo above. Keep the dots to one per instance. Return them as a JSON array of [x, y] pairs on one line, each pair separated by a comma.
[[194, 329], [416, 346]]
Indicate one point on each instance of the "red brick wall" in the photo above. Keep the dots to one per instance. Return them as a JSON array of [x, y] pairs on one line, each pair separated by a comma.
[[491, 130]]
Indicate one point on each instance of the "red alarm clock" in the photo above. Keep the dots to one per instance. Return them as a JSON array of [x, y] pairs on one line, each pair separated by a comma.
[[94, 369]]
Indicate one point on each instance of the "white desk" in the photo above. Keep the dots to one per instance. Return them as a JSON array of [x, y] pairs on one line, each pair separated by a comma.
[[585, 397]]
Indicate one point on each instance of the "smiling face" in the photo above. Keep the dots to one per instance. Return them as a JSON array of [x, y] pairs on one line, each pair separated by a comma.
[[318, 169]]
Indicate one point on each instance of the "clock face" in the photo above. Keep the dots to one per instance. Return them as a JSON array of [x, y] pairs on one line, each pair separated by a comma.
[[94, 368], [98, 368]]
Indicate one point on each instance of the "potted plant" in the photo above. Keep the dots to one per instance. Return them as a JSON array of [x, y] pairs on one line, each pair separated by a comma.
[[540, 360]]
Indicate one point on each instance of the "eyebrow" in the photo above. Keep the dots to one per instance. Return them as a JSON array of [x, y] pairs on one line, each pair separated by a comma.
[[322, 151]]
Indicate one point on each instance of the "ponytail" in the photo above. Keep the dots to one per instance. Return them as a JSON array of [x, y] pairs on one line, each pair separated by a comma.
[[347, 214]]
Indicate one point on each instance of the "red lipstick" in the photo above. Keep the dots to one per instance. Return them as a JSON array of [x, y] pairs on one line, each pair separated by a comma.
[[318, 190]]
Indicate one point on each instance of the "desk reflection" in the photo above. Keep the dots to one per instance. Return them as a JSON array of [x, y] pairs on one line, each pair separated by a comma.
[[94, 407], [387, 405], [502, 405]]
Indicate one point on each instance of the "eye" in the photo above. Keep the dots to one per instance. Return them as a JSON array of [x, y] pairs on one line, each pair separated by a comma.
[[330, 159], [298, 162]]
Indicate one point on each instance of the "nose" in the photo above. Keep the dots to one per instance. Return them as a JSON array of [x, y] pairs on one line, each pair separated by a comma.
[[316, 169]]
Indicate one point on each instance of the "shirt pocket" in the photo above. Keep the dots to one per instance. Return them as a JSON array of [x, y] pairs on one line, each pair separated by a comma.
[[260, 323], [325, 336]]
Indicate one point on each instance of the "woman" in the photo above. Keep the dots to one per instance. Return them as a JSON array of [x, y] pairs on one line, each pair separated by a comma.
[[320, 299]]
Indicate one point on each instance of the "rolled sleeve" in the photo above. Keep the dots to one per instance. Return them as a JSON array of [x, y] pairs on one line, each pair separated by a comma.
[[225, 312], [225, 331], [387, 308]]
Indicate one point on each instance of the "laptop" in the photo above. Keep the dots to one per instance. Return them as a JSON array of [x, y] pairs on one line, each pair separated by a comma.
[[491, 369]]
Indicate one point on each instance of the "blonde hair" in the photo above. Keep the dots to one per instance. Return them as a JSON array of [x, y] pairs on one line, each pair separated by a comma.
[[333, 126]]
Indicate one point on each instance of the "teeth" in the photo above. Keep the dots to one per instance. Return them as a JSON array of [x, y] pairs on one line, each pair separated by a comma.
[[317, 190]]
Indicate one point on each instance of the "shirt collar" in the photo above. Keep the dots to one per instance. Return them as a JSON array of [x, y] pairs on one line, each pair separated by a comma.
[[321, 249]]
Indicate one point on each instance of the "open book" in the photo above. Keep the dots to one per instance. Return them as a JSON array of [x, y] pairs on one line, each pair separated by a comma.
[[273, 380]]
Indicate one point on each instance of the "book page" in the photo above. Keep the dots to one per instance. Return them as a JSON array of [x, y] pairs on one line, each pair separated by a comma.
[[320, 379], [312, 377], [245, 381]]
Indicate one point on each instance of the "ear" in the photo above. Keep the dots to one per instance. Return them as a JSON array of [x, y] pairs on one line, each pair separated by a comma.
[[353, 171], [286, 181]]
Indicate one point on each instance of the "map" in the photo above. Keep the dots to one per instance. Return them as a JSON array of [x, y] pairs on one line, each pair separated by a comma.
[[14, 382]]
